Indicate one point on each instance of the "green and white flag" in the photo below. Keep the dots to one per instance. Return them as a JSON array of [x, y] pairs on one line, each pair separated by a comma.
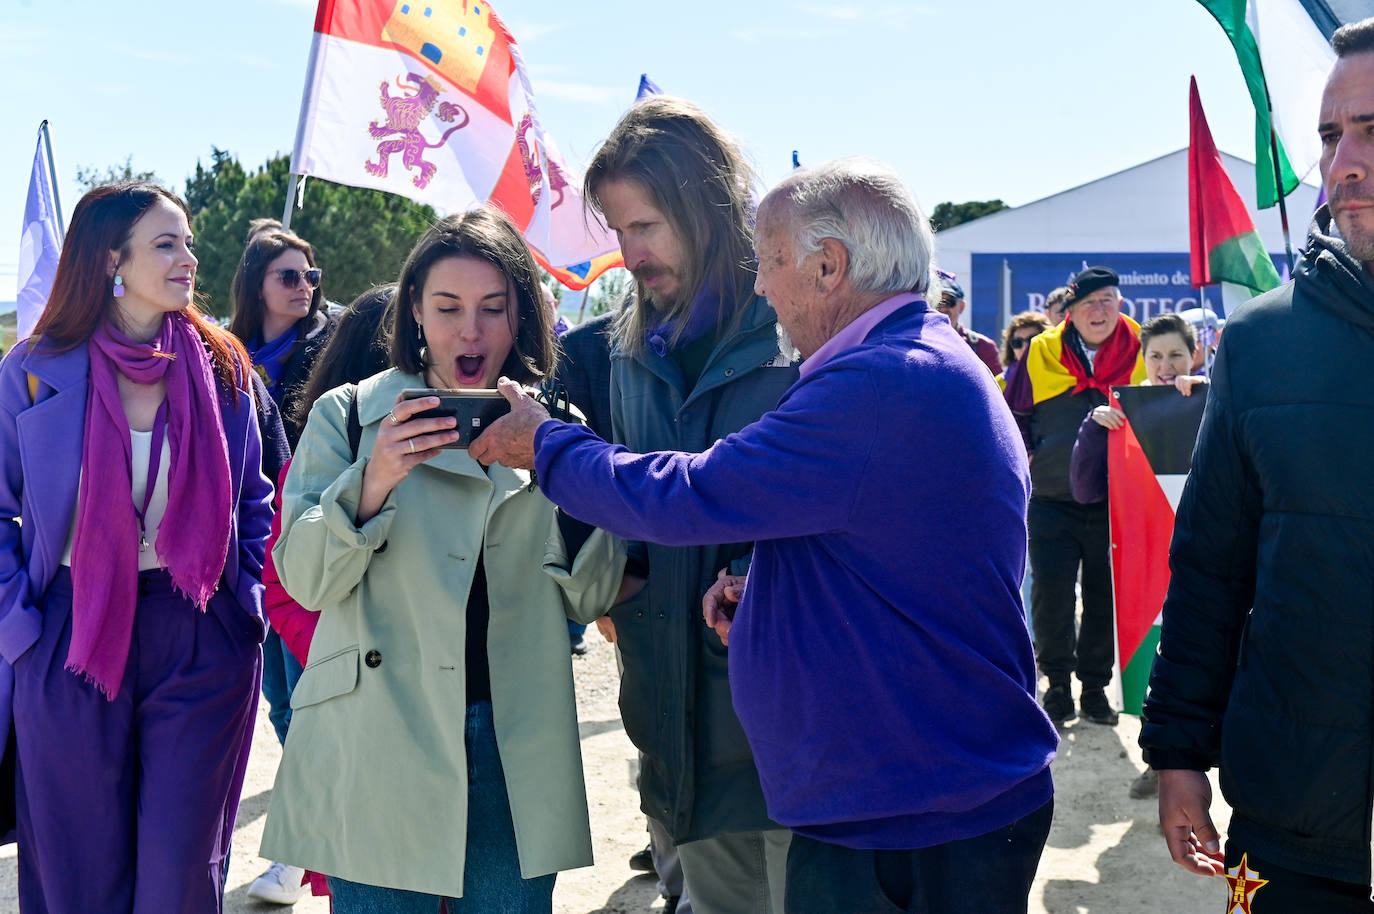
[[1284, 51]]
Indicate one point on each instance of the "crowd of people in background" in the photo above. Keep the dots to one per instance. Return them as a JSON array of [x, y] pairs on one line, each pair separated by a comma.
[[784, 402]]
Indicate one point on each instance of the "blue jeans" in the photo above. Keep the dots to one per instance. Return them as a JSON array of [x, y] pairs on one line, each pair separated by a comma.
[[280, 671], [491, 880]]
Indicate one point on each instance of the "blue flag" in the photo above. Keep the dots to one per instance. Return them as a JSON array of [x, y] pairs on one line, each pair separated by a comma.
[[647, 87], [40, 245]]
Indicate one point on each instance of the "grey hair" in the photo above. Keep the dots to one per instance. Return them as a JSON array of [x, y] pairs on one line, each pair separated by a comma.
[[862, 204]]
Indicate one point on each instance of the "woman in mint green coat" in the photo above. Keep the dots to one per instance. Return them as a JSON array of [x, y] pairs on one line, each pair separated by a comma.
[[434, 750]]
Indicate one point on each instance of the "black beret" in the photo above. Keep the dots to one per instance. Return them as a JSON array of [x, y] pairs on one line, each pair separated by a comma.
[[1089, 281]]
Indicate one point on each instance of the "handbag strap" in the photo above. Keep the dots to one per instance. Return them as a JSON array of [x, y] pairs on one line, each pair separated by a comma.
[[355, 425]]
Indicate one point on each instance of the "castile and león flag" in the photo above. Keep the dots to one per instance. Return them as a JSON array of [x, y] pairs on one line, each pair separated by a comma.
[[430, 99]]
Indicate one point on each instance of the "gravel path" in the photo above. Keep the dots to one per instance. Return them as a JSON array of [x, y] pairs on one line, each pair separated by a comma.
[[1104, 853]]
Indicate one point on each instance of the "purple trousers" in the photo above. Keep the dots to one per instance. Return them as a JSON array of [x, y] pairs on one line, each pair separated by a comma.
[[127, 806]]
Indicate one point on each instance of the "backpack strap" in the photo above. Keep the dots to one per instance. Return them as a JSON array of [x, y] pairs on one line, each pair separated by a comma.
[[355, 425]]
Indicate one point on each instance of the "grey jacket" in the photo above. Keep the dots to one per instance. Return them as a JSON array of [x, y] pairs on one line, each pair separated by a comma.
[[698, 776]]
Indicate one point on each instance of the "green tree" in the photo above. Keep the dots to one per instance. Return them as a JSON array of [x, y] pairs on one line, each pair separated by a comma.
[[607, 291], [361, 237], [89, 177], [948, 215]]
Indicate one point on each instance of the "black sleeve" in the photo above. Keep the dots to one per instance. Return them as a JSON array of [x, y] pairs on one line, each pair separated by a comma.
[[1211, 592], [575, 534], [275, 451], [584, 370]]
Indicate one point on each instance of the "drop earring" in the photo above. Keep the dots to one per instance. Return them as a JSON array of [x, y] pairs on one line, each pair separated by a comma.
[[420, 333], [118, 286]]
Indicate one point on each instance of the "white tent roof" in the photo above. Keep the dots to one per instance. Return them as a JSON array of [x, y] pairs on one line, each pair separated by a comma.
[[1143, 208]]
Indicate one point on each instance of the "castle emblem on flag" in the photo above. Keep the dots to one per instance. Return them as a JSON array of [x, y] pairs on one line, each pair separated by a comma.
[[443, 66], [529, 158], [404, 114], [455, 38]]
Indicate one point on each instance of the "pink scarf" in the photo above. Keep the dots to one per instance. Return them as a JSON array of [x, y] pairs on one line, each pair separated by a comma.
[[193, 536]]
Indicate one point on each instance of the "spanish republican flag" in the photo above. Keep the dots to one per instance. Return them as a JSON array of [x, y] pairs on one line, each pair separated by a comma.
[[1052, 369], [429, 99], [1148, 460], [1224, 244]]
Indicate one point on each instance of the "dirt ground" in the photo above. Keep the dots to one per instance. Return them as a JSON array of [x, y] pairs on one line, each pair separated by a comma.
[[1104, 853]]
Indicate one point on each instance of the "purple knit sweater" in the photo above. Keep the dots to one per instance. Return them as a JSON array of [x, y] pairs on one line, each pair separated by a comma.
[[879, 661]]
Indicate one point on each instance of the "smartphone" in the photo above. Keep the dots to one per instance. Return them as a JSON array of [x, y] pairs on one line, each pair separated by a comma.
[[474, 408]]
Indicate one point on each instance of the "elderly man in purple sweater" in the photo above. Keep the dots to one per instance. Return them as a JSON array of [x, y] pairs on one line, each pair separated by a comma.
[[889, 698]]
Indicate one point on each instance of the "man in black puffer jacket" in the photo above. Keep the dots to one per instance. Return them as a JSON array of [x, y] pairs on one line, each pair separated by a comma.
[[1266, 662]]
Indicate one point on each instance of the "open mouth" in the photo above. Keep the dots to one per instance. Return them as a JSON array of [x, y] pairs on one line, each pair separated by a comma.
[[469, 369]]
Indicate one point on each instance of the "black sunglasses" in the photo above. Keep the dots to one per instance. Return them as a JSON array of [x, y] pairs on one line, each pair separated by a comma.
[[1020, 342], [292, 278]]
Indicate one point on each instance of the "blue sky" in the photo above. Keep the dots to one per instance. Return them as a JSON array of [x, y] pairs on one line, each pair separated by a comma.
[[973, 99]]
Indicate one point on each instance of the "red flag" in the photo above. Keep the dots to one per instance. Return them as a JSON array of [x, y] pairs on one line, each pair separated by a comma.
[[1148, 460], [1224, 246], [1142, 522], [429, 99]]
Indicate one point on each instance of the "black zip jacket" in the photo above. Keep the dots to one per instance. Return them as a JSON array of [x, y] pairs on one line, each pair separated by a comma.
[[1266, 661]]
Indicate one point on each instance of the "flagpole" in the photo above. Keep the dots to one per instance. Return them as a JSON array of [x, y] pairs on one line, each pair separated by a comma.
[[290, 199], [52, 174], [302, 121], [1278, 189]]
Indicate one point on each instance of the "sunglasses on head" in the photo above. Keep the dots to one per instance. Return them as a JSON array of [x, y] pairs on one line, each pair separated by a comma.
[[292, 278]]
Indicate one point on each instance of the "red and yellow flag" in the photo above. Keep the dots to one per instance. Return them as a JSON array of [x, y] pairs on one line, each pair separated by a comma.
[[429, 99]]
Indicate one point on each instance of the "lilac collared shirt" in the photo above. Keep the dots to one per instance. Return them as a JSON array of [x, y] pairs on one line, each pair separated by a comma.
[[854, 332]]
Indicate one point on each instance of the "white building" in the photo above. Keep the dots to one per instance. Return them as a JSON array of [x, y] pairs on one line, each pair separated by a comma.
[[1134, 221]]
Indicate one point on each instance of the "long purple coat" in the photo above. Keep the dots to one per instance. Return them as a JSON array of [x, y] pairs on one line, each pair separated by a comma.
[[40, 443]]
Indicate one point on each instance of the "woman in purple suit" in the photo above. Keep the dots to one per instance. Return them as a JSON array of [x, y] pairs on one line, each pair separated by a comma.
[[130, 602]]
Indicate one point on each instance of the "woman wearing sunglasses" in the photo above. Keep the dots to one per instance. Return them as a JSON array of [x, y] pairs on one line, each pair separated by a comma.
[[279, 316], [1023, 328]]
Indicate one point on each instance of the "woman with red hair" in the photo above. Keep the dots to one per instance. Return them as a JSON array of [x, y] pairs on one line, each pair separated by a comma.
[[130, 595]]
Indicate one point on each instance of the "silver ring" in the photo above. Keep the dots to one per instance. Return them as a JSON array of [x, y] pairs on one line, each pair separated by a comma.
[[394, 420], [411, 442]]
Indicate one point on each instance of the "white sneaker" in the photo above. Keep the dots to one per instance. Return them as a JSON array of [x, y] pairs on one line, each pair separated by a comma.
[[281, 884]]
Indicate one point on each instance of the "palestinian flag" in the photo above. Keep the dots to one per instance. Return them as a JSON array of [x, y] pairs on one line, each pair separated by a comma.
[[1147, 463], [1223, 242], [1231, 16], [1284, 51]]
